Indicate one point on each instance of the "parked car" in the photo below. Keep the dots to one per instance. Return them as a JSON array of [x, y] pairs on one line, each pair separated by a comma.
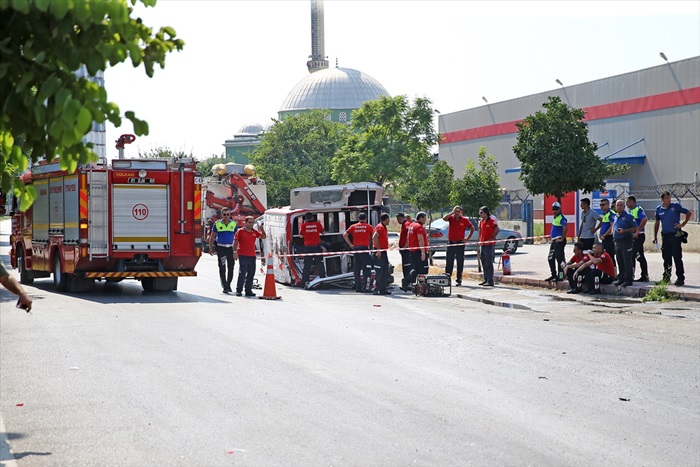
[[437, 232]]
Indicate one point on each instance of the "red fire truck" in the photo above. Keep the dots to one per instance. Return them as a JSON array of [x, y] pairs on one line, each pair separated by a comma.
[[131, 219]]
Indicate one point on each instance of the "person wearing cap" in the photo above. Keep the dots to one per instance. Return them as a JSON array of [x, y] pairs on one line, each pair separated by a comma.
[[361, 236], [589, 224], [311, 231], [606, 229], [458, 225], [404, 223], [668, 217], [624, 229], [418, 245], [556, 249], [224, 231]]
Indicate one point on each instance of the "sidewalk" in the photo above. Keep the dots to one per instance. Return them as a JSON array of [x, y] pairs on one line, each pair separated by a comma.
[[530, 268]]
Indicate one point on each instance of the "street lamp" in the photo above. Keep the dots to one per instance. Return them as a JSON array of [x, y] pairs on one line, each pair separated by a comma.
[[663, 55], [484, 99], [558, 82]]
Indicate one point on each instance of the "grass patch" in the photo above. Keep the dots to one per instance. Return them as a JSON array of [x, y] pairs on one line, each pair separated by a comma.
[[659, 293]]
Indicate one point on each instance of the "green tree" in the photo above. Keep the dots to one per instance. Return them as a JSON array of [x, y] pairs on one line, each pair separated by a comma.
[[556, 155], [433, 194], [390, 144], [47, 108], [297, 152], [479, 186], [163, 152]]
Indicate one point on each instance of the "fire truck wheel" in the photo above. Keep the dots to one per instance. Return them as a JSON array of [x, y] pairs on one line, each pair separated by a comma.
[[25, 277], [60, 279]]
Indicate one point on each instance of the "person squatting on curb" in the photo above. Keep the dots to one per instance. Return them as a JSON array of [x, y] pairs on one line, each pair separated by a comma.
[[556, 249], [380, 241], [574, 263], [11, 284], [458, 224], [224, 230], [311, 231], [418, 244], [361, 235], [640, 218], [244, 247], [600, 266], [668, 217], [488, 230]]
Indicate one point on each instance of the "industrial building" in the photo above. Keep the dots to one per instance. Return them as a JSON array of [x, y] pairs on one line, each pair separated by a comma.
[[648, 119]]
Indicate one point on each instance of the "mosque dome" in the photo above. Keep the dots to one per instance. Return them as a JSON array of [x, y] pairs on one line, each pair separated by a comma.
[[249, 129], [333, 88]]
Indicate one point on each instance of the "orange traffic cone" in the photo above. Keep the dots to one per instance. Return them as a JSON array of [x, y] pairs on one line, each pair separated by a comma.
[[270, 290]]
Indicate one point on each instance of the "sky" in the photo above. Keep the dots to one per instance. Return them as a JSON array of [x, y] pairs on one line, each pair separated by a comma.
[[242, 57]]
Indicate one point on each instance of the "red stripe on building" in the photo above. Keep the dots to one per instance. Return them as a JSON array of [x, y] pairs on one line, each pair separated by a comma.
[[596, 112]]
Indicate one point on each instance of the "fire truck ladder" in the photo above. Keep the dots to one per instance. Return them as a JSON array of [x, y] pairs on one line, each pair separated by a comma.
[[98, 215]]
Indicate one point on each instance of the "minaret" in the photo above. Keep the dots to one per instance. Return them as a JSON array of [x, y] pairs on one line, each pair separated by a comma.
[[318, 53]]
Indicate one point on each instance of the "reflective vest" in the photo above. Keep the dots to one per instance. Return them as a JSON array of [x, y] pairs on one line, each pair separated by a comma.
[[635, 214], [605, 218], [557, 220], [221, 227]]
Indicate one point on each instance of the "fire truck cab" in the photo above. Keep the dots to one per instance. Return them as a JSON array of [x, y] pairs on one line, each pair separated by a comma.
[[131, 219], [336, 207]]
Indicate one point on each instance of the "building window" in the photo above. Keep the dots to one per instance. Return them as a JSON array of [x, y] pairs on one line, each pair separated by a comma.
[[342, 117]]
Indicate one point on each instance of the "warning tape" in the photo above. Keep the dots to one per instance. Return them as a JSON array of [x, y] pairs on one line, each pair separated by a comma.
[[439, 247]]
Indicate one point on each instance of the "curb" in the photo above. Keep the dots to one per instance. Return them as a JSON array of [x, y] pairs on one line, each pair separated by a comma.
[[631, 291]]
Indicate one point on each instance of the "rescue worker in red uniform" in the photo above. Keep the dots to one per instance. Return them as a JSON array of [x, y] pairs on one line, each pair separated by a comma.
[[404, 223], [604, 269], [577, 260], [418, 244], [380, 240], [361, 235], [311, 231], [244, 247], [458, 225]]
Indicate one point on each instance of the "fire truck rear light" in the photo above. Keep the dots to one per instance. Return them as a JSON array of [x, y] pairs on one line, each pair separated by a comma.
[[83, 226]]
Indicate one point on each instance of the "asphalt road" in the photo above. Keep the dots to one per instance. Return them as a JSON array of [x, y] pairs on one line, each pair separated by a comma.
[[120, 377]]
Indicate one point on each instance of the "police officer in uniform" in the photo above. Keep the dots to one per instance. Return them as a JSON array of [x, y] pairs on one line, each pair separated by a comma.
[[225, 229], [624, 229], [606, 229], [668, 217], [556, 248], [640, 218]]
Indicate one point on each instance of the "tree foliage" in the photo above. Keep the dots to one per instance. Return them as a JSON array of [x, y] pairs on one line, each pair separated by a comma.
[[297, 152], [556, 155], [390, 143], [163, 152], [433, 194], [479, 186], [47, 108]]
